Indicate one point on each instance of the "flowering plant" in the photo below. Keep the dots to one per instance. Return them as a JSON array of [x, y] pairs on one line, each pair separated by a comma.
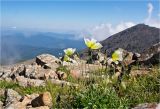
[[92, 44]]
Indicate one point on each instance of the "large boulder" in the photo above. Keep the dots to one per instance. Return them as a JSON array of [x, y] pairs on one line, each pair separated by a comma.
[[48, 61], [151, 55], [38, 72]]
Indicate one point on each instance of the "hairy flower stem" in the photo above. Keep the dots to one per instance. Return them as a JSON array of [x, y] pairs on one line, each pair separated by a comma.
[[90, 54]]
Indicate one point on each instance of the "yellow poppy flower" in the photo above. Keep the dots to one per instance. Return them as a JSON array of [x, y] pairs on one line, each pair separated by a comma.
[[117, 55], [92, 44], [69, 51]]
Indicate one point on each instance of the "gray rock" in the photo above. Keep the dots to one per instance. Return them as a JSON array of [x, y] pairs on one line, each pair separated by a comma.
[[48, 61], [29, 71], [1, 105], [2, 92], [147, 106], [5, 73], [29, 82], [11, 96], [15, 105], [151, 55]]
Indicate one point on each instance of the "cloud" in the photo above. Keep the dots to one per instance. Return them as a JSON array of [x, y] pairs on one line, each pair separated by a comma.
[[155, 22], [150, 9], [103, 31]]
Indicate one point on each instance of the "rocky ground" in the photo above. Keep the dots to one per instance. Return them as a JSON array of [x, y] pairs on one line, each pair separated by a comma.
[[45, 67]]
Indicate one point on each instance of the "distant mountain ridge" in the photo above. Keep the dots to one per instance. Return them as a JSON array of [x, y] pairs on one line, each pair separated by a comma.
[[134, 39], [17, 46]]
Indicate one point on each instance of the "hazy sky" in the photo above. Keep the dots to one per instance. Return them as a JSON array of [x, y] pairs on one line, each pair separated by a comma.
[[79, 15]]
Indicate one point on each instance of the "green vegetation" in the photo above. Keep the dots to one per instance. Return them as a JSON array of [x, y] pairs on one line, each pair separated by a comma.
[[95, 92]]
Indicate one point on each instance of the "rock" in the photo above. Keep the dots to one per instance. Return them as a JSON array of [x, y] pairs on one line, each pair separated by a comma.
[[61, 82], [29, 82], [2, 92], [48, 61], [26, 100], [19, 69], [41, 107], [19, 104], [151, 55], [29, 71], [32, 96], [128, 58], [8, 79], [109, 61], [50, 74], [16, 105], [61, 75], [1, 105], [38, 72], [139, 72], [5, 72], [75, 73], [44, 99], [11, 96], [136, 56], [147, 106]]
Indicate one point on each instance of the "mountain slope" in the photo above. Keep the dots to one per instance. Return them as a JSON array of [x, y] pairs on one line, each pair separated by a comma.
[[134, 39]]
